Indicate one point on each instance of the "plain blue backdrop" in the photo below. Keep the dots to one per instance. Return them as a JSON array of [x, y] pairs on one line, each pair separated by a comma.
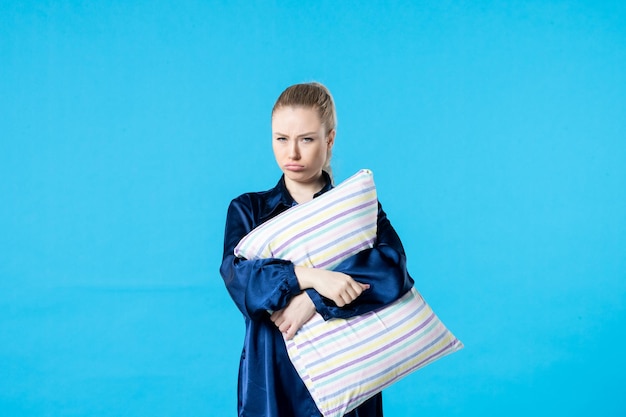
[[496, 132]]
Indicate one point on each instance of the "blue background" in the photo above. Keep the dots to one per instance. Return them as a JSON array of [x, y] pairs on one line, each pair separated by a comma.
[[496, 132]]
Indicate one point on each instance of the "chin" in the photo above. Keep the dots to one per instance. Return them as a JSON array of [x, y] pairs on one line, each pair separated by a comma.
[[301, 176], [296, 175]]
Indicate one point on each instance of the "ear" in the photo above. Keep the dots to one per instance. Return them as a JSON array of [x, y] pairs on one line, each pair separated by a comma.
[[330, 139]]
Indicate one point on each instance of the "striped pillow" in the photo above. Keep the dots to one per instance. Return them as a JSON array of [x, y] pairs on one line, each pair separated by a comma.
[[322, 232], [343, 362]]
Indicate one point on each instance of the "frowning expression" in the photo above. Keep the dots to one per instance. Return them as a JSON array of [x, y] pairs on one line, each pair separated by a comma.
[[301, 143]]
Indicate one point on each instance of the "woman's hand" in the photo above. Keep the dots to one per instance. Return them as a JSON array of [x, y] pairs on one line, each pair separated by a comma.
[[337, 286], [291, 318]]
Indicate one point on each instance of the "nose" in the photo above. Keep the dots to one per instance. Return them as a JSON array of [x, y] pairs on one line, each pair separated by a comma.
[[294, 151]]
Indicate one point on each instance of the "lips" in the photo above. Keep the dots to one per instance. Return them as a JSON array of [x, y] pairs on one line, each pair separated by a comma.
[[294, 167]]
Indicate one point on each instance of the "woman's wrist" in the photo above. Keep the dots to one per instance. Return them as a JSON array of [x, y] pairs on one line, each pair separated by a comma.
[[304, 276]]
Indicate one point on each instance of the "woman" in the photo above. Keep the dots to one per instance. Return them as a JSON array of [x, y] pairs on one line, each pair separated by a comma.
[[303, 135]]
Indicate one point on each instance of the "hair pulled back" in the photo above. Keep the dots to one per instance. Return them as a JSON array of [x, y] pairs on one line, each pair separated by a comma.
[[311, 95]]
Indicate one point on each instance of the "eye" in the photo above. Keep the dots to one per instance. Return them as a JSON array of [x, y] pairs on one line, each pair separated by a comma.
[[281, 139], [307, 140]]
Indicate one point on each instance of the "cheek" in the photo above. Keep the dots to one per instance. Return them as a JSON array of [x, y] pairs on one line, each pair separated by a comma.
[[322, 155], [325, 153]]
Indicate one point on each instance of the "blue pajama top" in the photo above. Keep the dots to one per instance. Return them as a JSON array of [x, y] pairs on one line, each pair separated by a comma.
[[269, 386]]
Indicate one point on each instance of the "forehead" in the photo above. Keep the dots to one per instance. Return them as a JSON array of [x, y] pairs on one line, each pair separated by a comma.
[[296, 119]]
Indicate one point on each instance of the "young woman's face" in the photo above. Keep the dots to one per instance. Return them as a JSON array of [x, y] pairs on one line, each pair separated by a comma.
[[300, 143]]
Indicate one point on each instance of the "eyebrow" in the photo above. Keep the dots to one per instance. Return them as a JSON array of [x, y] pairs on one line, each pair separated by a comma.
[[300, 136]]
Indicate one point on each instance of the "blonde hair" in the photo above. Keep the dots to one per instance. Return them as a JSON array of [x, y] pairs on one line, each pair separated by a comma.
[[316, 96]]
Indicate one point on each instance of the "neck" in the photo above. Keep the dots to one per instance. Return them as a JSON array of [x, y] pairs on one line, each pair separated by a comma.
[[304, 191]]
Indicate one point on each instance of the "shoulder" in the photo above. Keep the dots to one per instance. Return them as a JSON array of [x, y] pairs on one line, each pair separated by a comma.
[[255, 206], [252, 198]]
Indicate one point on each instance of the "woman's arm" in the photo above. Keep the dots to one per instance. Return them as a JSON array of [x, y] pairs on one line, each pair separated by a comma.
[[383, 268], [341, 288], [260, 285], [255, 286]]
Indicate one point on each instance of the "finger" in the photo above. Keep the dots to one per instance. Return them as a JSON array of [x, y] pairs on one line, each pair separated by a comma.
[[357, 290], [293, 330], [351, 295], [339, 300], [360, 288], [346, 298], [284, 328], [278, 320]]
